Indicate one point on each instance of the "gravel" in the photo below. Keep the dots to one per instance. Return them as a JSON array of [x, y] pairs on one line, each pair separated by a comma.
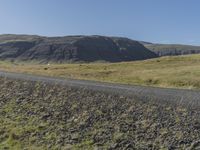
[[40, 114]]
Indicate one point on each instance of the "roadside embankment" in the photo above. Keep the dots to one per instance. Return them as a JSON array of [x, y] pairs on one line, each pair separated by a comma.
[[40, 115]]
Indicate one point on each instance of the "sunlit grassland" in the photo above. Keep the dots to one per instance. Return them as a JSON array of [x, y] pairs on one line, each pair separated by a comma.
[[176, 71]]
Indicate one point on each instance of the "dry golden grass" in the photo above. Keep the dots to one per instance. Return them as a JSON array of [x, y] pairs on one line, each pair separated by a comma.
[[177, 71]]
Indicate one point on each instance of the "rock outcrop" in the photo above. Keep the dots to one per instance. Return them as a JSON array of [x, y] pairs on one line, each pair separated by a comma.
[[71, 49]]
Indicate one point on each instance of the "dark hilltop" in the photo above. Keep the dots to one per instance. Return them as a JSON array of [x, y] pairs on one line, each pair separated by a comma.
[[72, 49]]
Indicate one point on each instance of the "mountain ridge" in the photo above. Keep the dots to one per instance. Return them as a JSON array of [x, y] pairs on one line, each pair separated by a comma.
[[84, 48], [71, 48]]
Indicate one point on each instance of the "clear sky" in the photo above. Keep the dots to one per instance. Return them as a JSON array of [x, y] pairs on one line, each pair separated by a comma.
[[162, 21]]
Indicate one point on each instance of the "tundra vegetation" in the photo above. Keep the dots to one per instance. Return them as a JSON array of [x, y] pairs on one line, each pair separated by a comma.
[[170, 71]]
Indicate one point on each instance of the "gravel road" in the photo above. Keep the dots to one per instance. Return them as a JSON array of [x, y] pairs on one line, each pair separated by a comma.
[[189, 98]]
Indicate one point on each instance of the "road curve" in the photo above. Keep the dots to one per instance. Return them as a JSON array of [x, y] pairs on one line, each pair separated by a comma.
[[189, 98]]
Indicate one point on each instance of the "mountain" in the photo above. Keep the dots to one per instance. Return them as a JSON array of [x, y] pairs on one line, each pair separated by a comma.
[[171, 49], [80, 48], [71, 49]]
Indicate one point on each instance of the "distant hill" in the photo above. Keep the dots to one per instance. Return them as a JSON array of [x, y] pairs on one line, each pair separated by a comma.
[[71, 49], [80, 48], [171, 49]]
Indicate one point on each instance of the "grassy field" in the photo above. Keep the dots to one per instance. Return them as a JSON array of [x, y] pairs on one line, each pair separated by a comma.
[[177, 71]]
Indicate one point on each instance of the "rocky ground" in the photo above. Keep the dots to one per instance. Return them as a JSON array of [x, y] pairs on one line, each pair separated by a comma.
[[36, 115]]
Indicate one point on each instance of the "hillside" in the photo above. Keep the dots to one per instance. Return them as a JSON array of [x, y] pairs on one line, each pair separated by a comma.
[[71, 49], [172, 49], [41, 116]]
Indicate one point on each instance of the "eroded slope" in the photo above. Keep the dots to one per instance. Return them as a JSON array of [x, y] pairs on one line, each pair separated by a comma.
[[71, 49]]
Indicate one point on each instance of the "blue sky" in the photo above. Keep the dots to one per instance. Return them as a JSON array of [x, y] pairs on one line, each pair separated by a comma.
[[161, 21]]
